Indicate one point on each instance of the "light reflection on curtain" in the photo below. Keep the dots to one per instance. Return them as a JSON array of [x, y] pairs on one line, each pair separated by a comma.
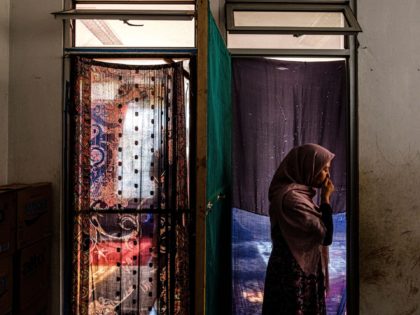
[[278, 105], [251, 249], [131, 223]]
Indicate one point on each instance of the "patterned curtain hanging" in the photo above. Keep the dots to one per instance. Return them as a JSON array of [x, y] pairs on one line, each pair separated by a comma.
[[131, 207]]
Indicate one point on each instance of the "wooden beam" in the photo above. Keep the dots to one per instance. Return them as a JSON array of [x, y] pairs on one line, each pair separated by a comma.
[[201, 153]]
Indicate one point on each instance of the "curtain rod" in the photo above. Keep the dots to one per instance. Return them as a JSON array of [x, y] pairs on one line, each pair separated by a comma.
[[343, 53]]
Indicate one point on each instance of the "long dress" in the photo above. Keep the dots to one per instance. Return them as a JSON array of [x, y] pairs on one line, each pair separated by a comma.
[[288, 290]]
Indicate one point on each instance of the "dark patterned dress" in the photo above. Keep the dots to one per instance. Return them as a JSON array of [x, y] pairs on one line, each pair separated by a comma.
[[288, 290]]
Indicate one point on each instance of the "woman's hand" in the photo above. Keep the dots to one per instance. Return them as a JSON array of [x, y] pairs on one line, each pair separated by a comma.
[[326, 190]]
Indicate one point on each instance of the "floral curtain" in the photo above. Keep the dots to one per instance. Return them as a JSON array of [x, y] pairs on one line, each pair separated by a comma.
[[131, 208]]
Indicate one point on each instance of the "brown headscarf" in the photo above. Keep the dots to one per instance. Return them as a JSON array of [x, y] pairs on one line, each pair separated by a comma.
[[292, 208]]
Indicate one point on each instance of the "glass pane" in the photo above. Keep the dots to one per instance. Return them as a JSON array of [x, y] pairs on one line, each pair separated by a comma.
[[118, 254], [132, 1], [115, 33], [274, 41], [289, 19], [122, 263], [175, 7]]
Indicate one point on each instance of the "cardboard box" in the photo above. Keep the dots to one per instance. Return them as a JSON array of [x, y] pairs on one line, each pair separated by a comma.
[[12, 187], [33, 213], [7, 223], [6, 284], [32, 274]]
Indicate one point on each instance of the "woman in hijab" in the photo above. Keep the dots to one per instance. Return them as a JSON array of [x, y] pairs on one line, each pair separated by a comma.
[[296, 275]]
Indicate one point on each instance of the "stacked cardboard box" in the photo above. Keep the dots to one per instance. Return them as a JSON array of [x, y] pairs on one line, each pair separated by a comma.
[[7, 249], [6, 284], [25, 230], [7, 223], [32, 277]]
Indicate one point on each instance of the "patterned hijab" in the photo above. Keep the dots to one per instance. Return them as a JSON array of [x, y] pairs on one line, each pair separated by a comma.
[[292, 208]]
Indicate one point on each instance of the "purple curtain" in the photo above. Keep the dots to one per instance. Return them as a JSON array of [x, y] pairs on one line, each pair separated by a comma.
[[278, 105]]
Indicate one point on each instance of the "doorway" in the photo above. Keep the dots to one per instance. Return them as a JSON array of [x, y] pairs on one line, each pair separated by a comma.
[[129, 197], [278, 105]]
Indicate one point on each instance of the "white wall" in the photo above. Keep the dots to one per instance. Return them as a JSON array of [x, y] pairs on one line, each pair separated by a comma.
[[389, 135], [217, 8], [389, 117], [4, 87], [35, 105]]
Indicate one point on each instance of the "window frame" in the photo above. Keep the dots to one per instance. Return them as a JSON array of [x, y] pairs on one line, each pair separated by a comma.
[[351, 56], [133, 2], [70, 14], [125, 15], [69, 214], [352, 28], [70, 50], [322, 2]]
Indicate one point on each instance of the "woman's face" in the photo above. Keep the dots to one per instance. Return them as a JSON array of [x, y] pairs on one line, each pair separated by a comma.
[[322, 176]]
